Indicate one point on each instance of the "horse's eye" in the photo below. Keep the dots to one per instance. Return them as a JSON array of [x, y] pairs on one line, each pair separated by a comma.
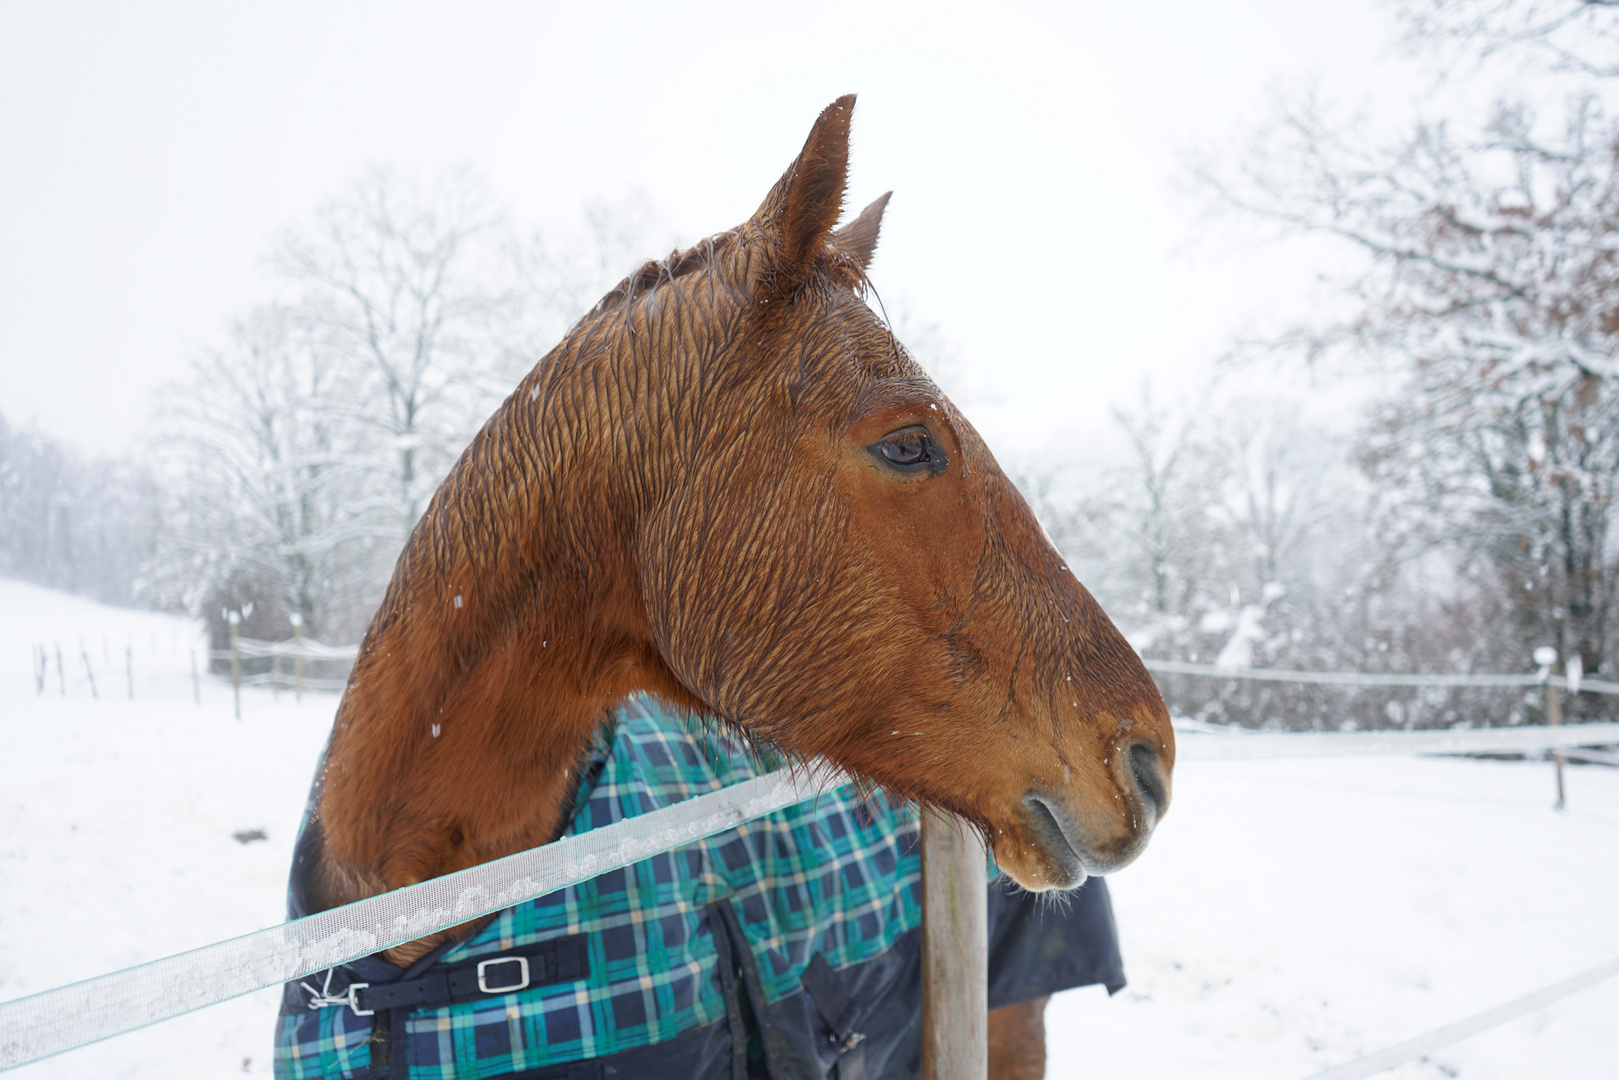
[[910, 452], [909, 449]]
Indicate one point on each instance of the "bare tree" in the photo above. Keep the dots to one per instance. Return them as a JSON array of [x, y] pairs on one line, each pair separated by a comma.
[[1576, 36], [302, 452], [1284, 482], [1225, 531], [407, 286], [274, 508], [1146, 527]]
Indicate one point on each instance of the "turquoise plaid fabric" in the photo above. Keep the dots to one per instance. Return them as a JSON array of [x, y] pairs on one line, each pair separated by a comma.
[[837, 876]]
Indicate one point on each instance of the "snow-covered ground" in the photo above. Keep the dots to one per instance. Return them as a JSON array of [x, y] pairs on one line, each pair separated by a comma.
[[1289, 915]]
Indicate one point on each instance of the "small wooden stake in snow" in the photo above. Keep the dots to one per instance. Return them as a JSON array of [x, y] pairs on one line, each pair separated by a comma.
[[235, 620], [955, 950], [84, 654]]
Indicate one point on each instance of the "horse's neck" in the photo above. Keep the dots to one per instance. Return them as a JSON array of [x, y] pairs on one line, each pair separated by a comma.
[[505, 635]]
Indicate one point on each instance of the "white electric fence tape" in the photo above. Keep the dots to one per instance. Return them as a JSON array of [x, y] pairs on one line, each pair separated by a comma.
[[310, 649], [48, 1023], [1201, 746], [1358, 678], [1422, 1045], [1596, 757]]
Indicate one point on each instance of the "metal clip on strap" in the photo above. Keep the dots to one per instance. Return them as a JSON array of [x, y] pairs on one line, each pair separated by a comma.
[[322, 998], [556, 961]]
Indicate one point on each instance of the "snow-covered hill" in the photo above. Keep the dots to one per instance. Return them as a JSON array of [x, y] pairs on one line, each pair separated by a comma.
[[117, 819], [1289, 915]]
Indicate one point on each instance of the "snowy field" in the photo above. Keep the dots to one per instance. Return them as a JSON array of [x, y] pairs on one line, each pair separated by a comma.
[[1289, 915]]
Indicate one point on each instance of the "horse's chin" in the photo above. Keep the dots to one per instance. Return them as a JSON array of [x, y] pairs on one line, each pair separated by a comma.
[[1038, 869], [1050, 849]]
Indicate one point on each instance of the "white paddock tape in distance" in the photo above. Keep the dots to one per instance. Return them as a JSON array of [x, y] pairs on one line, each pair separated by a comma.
[[1200, 746], [285, 680], [1596, 757], [1422, 1045], [1358, 678], [48, 1023], [310, 649]]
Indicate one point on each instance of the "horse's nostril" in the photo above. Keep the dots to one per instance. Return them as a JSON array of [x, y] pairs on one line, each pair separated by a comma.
[[1149, 778]]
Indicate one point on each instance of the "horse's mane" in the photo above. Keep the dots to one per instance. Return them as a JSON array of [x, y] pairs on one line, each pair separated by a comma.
[[834, 263], [702, 255]]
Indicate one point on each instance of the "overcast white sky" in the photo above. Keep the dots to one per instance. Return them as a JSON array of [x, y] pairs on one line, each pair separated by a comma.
[[150, 155]]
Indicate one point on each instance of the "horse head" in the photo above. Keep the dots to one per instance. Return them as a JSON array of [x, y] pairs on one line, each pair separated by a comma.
[[838, 565], [730, 485]]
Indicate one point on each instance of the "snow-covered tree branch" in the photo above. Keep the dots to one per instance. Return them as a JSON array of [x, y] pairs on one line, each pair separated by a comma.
[[1484, 278]]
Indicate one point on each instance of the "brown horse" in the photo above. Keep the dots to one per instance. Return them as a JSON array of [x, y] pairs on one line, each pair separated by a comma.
[[730, 485]]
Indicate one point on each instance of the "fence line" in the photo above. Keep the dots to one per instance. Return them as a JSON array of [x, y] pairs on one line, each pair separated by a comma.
[[302, 648], [1242, 744], [286, 680], [1596, 757], [1357, 678], [310, 649], [68, 1017], [1438, 1039], [306, 648], [297, 650]]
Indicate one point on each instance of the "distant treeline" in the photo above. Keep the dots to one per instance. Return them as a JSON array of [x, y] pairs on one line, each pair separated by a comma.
[[87, 526]]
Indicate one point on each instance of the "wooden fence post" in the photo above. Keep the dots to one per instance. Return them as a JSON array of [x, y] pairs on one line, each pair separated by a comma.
[[235, 620], [1546, 656], [955, 950], [196, 682]]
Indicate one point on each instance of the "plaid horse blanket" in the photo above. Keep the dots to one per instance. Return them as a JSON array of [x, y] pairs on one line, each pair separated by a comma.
[[785, 947]]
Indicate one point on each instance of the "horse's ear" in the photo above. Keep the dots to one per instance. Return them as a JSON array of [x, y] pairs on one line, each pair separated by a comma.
[[798, 214], [859, 237]]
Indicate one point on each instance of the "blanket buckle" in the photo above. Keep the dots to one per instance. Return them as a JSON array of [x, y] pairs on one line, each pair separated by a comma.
[[324, 998]]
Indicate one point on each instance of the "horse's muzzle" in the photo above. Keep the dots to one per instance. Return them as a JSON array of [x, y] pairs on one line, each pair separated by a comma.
[[1080, 844]]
